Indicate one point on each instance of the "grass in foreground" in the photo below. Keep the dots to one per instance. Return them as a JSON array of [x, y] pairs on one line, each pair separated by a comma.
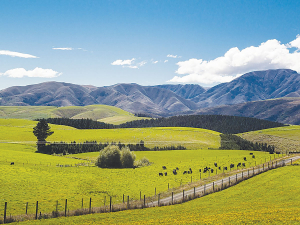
[[270, 198]]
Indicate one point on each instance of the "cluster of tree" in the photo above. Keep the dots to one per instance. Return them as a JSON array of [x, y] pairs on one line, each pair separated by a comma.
[[93, 146], [220, 123], [112, 157], [143, 115], [79, 123], [230, 141]]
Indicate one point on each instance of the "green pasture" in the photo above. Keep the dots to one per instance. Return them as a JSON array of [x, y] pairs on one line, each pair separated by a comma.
[[285, 139], [104, 113], [37, 177], [14, 130], [269, 198]]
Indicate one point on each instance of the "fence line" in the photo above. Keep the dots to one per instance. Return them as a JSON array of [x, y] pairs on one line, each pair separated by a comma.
[[154, 201]]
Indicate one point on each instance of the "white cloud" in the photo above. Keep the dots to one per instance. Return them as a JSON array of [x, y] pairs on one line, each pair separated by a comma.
[[172, 56], [166, 61], [132, 67], [120, 62], [37, 72], [154, 62], [16, 54], [268, 55], [142, 63], [66, 49]]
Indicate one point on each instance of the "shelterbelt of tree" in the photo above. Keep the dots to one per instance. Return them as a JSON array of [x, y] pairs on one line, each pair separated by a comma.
[[220, 123]]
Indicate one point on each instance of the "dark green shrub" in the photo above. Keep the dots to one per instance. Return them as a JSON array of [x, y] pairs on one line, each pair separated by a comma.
[[110, 157], [127, 158]]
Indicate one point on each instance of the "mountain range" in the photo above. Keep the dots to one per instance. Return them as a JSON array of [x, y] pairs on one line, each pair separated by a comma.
[[244, 96]]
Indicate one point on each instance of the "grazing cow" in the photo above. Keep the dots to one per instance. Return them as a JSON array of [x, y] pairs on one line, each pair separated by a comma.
[[243, 164], [251, 153], [225, 168], [212, 170], [189, 172], [160, 174], [200, 170], [177, 168], [245, 158], [164, 168], [239, 164], [12, 163], [253, 156], [166, 173], [175, 172], [184, 172], [216, 164], [231, 166], [219, 167]]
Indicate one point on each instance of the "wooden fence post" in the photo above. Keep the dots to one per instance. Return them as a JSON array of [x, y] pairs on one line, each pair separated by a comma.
[[90, 207], [183, 196], [291, 161], [204, 188], [229, 181], [36, 209], [194, 192], [5, 207], [140, 195], [26, 207], [248, 173], [82, 203], [144, 201], [155, 191], [110, 205], [253, 172], [168, 186], [213, 186], [236, 178], [128, 201], [66, 206], [222, 184], [158, 200], [123, 198]]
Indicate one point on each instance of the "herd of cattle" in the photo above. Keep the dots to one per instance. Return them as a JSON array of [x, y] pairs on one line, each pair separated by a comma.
[[206, 169]]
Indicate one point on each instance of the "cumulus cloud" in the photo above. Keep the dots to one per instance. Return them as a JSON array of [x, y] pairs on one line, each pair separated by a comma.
[[37, 72], [166, 61], [154, 62], [142, 63], [16, 54], [268, 55], [65, 49]]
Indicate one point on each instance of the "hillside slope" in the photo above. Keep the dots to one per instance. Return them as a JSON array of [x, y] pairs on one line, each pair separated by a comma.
[[282, 110]]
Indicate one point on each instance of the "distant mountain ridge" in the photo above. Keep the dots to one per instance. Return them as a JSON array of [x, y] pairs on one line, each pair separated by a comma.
[[163, 100]]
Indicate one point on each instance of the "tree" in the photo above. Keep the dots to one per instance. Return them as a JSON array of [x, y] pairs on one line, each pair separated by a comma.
[[110, 157], [42, 131], [127, 158]]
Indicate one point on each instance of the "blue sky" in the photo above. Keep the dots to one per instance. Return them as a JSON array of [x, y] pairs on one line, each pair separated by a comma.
[[146, 42]]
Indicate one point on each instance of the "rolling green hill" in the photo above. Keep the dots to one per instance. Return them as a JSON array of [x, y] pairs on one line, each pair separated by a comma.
[[283, 138], [103, 113]]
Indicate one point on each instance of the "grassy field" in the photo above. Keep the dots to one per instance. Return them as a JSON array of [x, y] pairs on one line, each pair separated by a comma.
[[37, 177], [270, 198], [191, 138], [283, 138], [104, 113]]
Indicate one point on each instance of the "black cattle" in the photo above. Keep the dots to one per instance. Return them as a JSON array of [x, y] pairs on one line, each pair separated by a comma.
[[231, 166], [175, 172], [251, 153], [253, 156], [212, 170], [191, 170], [12, 163], [243, 164], [219, 167], [177, 168], [164, 167], [166, 173], [239, 164], [184, 172], [216, 164], [245, 158], [200, 170], [160, 174], [225, 168]]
